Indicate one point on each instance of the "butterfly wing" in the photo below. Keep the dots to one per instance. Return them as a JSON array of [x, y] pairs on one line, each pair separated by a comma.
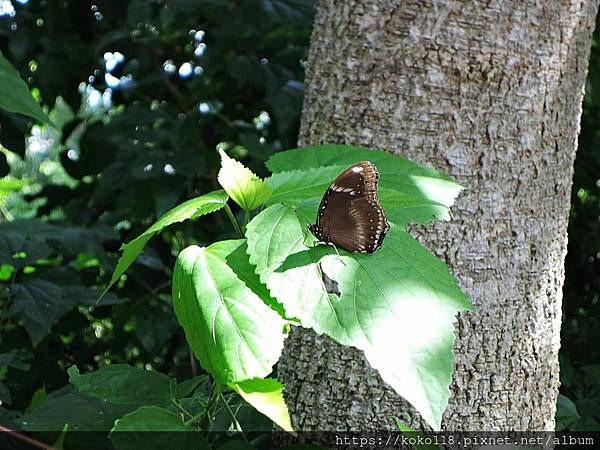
[[349, 214], [360, 228]]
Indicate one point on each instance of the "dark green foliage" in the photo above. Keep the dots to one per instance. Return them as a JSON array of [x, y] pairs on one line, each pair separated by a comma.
[[108, 171], [59, 256], [580, 352]]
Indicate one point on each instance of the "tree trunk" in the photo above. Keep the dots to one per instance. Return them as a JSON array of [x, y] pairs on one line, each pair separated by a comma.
[[489, 92]]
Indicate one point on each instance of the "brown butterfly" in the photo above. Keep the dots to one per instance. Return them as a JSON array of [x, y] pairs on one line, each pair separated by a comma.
[[350, 215]]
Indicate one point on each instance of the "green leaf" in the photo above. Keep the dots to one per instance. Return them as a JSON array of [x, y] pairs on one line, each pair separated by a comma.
[[39, 303], [233, 413], [20, 250], [266, 395], [567, 415], [410, 433], [236, 445], [242, 185], [125, 385], [5, 396], [187, 387], [239, 262], [151, 427], [273, 235], [397, 304], [8, 185], [15, 96], [38, 400], [408, 192], [191, 209], [80, 410], [232, 332]]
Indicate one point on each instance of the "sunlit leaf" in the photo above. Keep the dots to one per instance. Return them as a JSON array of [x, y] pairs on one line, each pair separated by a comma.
[[408, 192], [266, 395], [232, 332], [243, 186], [14, 93], [191, 209], [398, 304]]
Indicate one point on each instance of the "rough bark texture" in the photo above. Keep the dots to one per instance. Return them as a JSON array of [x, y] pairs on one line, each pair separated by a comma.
[[489, 92]]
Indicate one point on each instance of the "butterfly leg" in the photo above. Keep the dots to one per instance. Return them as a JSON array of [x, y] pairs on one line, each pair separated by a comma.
[[338, 253]]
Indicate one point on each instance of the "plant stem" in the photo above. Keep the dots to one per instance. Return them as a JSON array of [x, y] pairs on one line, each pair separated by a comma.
[[234, 222], [13, 278], [238, 427], [181, 409], [246, 218], [31, 442], [212, 406], [192, 361], [194, 418]]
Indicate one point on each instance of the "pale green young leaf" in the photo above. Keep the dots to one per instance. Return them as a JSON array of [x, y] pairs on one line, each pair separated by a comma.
[[242, 185], [233, 333], [398, 304], [15, 96], [191, 209], [266, 395]]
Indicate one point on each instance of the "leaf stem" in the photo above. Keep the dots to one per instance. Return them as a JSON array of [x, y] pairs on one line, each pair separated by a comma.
[[192, 361], [246, 218], [234, 222], [181, 408], [194, 418], [238, 427], [212, 406]]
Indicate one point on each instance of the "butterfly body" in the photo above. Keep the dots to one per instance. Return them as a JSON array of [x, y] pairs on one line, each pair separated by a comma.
[[349, 214]]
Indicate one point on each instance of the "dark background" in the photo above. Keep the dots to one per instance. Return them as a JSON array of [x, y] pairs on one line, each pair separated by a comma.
[[143, 93]]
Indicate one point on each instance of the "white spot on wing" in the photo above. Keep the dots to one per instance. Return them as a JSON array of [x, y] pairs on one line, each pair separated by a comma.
[[357, 169]]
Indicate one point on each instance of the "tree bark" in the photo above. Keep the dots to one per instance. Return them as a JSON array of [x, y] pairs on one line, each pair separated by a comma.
[[489, 92]]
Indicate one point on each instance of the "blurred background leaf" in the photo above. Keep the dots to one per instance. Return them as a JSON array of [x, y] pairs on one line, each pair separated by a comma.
[[578, 407], [143, 94]]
